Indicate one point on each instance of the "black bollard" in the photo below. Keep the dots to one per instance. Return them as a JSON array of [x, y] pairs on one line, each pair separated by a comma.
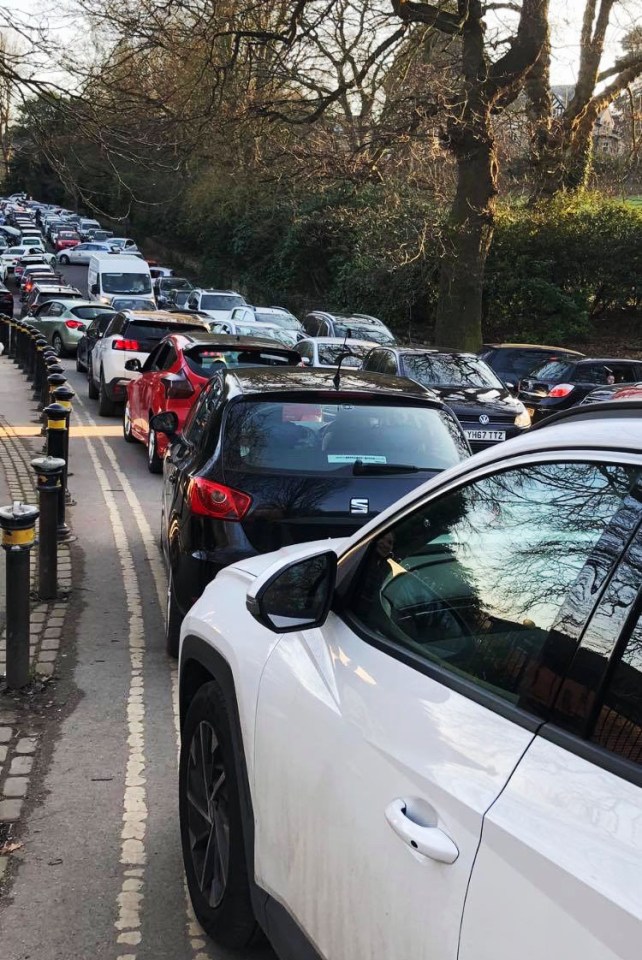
[[30, 368], [51, 366], [12, 340], [41, 346], [56, 428], [4, 332], [18, 523], [49, 472], [64, 395]]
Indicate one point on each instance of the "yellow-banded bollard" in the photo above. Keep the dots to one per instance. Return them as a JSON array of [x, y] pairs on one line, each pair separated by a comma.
[[49, 472], [18, 524], [56, 424], [64, 395]]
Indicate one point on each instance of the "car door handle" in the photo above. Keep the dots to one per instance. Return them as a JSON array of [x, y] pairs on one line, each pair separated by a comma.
[[429, 841]]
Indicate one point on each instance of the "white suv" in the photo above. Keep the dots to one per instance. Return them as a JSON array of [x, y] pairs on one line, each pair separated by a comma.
[[426, 740], [118, 356], [217, 304]]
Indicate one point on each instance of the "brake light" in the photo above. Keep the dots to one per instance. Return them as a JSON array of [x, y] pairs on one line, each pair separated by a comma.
[[73, 324], [561, 390], [125, 345], [208, 499]]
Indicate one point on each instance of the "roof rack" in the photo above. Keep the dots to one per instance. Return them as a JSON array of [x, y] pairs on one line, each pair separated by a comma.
[[631, 407]]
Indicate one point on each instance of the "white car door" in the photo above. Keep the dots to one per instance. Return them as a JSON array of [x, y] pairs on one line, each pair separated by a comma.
[[559, 869], [383, 738]]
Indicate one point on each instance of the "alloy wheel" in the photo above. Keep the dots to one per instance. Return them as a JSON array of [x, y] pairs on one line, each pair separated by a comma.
[[208, 821]]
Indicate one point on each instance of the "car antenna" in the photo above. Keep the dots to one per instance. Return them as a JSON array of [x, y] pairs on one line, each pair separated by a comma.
[[345, 352]]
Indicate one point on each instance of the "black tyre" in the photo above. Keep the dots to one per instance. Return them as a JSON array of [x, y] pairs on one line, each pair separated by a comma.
[[58, 346], [106, 406], [63, 259], [92, 389], [154, 462], [80, 366], [127, 426], [173, 621], [211, 823]]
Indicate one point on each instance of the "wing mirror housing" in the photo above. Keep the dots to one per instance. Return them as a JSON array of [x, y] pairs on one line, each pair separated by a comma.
[[94, 288], [165, 422], [296, 595], [133, 365]]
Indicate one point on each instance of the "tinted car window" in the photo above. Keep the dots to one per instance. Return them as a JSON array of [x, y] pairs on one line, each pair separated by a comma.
[[358, 331], [90, 313], [329, 354], [492, 581], [204, 360], [552, 370], [154, 331], [342, 438], [619, 724]]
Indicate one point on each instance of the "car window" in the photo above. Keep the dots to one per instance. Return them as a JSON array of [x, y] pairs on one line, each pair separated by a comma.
[[552, 370], [338, 439], [432, 369], [311, 325], [220, 301], [197, 421], [493, 583], [618, 727], [56, 310]]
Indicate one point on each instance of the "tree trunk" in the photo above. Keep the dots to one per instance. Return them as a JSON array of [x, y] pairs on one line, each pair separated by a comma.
[[470, 232], [565, 159]]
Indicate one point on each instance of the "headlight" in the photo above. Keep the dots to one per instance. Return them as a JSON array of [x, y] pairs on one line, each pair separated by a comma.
[[523, 419]]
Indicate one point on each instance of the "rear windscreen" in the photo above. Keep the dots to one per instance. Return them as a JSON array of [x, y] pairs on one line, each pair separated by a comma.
[[90, 313], [220, 301], [329, 354], [204, 360], [551, 370], [338, 438], [356, 331], [154, 331]]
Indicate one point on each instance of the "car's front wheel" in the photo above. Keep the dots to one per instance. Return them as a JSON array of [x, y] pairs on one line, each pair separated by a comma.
[[63, 259], [154, 462], [211, 822], [92, 389]]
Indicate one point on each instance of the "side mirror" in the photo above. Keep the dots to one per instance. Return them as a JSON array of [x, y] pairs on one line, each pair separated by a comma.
[[94, 288], [305, 361], [510, 386], [133, 365], [295, 597], [166, 422]]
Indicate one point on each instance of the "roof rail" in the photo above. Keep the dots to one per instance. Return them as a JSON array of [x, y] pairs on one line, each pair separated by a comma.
[[631, 407]]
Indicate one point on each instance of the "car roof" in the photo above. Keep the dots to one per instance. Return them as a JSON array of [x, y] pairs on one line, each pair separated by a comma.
[[586, 360], [231, 341], [233, 293], [55, 288], [420, 351], [161, 316], [339, 341], [531, 346], [265, 380], [84, 303]]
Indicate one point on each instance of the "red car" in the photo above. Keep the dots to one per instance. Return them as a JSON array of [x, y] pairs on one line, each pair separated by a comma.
[[176, 371], [66, 239], [632, 392]]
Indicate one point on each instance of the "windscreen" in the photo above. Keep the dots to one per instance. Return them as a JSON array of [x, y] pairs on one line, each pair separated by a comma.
[[126, 283], [220, 301], [357, 331], [90, 313], [205, 360], [338, 438], [433, 370], [329, 354], [174, 283], [551, 370], [284, 320], [131, 303]]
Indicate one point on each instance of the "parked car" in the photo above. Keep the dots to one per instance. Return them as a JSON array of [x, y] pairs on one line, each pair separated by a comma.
[[100, 236], [486, 409], [445, 709], [86, 227], [634, 392], [95, 330], [10, 256], [131, 335], [134, 303], [124, 244], [164, 286], [512, 361], [605, 394], [177, 299], [254, 329], [176, 371], [217, 304], [66, 239], [82, 252], [64, 322], [37, 276], [559, 384], [269, 457], [6, 301], [354, 326], [274, 315], [325, 351]]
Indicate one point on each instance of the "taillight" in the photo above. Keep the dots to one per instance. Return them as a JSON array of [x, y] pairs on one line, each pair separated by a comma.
[[561, 390], [208, 499], [73, 324], [125, 345]]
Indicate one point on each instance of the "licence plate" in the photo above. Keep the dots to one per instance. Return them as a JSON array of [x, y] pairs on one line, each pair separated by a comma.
[[485, 435]]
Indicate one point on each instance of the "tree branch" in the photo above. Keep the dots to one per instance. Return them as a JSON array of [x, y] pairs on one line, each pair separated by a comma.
[[427, 13]]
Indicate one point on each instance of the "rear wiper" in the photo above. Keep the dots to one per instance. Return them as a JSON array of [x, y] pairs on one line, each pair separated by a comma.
[[360, 468]]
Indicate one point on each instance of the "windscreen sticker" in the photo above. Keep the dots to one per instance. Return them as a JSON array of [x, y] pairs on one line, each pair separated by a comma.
[[353, 457]]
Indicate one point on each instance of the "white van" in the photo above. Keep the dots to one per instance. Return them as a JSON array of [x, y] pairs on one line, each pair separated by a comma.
[[112, 275]]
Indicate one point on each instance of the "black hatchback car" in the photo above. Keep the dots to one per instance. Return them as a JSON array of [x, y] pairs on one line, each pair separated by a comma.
[[275, 456], [486, 409], [512, 361], [559, 384]]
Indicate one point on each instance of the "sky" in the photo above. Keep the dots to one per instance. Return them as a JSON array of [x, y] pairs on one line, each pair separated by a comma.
[[566, 18]]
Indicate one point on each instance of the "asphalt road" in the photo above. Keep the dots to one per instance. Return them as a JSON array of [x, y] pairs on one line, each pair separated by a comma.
[[101, 877]]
